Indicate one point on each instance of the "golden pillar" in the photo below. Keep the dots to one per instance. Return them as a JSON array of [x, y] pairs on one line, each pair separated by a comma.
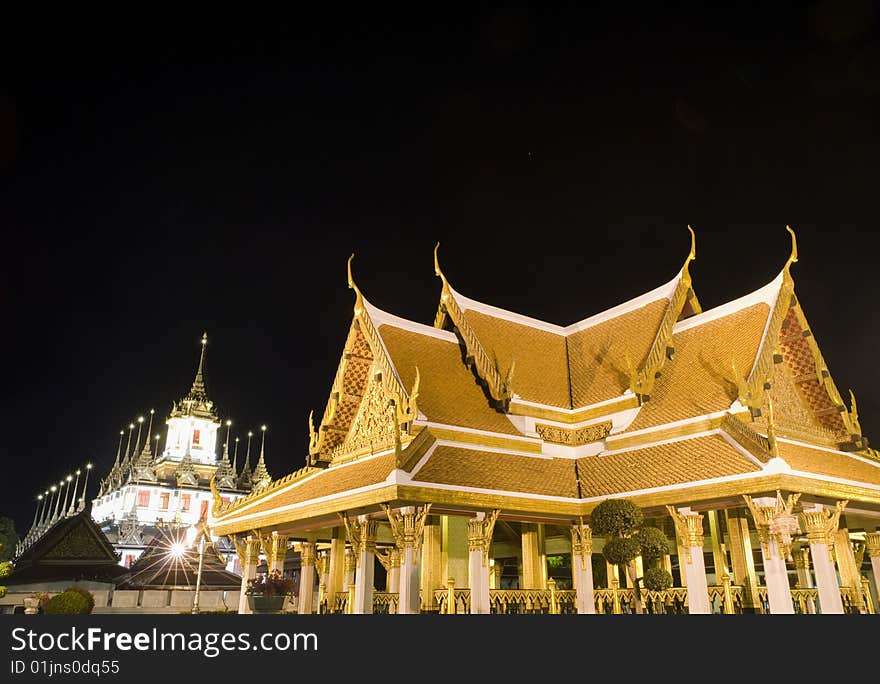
[[248, 551], [719, 557], [407, 526], [689, 529], [432, 562], [306, 578], [821, 527], [534, 557], [776, 522], [872, 545], [336, 575], [742, 558], [582, 567]]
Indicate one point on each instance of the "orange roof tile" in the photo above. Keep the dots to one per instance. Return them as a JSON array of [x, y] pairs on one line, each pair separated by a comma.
[[829, 463], [597, 355], [448, 391], [690, 460], [464, 467], [332, 480], [699, 379]]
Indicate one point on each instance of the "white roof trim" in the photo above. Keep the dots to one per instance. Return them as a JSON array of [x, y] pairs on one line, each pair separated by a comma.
[[384, 318], [767, 294], [664, 291]]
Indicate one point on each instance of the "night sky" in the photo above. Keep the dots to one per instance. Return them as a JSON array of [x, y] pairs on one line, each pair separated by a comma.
[[176, 178]]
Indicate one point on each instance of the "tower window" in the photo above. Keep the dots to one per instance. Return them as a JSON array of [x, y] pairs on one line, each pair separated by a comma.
[[144, 498], [196, 434]]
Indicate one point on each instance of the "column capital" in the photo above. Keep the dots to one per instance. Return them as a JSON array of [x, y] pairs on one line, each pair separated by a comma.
[[480, 530], [689, 527], [307, 553], [775, 520], [350, 559], [820, 524], [407, 524], [872, 542], [247, 550], [362, 532], [274, 547]]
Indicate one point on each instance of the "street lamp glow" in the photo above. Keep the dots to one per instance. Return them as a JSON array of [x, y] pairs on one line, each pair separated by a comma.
[[53, 488], [228, 423], [263, 428], [88, 466], [178, 549], [69, 478]]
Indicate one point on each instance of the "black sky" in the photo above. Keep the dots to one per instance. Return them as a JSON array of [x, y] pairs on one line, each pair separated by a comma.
[[164, 179]]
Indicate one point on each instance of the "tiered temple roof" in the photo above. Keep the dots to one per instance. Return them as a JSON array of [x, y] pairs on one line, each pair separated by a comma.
[[654, 400]]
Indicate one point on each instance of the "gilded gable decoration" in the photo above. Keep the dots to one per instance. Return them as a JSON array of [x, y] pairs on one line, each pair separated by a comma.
[[662, 350], [573, 436], [497, 382]]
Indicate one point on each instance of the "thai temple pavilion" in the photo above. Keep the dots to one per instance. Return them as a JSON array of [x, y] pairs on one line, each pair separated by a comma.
[[467, 457]]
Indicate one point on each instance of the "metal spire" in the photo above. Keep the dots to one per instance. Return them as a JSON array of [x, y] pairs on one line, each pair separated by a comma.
[[128, 445], [146, 449], [247, 458], [45, 517], [68, 480], [57, 501], [138, 440], [73, 503], [118, 450], [82, 501], [198, 386]]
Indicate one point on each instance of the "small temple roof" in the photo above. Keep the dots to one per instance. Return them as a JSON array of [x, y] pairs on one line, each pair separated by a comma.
[[75, 548], [158, 568]]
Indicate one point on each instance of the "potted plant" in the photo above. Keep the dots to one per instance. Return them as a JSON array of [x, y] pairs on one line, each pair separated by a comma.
[[266, 593], [36, 603]]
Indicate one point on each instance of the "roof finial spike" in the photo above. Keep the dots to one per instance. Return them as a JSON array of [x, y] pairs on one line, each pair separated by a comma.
[[198, 386], [359, 298], [692, 255], [437, 271], [146, 448], [118, 449], [794, 253]]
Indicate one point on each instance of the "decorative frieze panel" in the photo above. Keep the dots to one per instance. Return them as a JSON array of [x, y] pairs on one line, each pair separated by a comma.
[[573, 436]]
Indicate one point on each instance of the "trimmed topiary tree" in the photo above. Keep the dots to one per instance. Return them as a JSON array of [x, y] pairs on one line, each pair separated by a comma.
[[622, 522], [68, 603], [86, 594], [657, 579]]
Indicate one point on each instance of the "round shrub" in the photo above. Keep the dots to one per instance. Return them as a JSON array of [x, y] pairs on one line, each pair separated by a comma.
[[86, 594], [657, 579], [652, 543], [615, 517], [621, 550], [67, 603]]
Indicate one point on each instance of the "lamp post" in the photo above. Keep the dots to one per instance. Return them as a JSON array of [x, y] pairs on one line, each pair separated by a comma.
[[195, 608]]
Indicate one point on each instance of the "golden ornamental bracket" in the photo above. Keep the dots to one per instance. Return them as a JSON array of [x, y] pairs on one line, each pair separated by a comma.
[[217, 500], [689, 527], [497, 384], [407, 528], [663, 349], [776, 523], [820, 525], [752, 390], [480, 532]]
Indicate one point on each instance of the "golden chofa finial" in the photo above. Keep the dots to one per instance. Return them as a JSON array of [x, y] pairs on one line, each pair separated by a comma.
[[794, 255], [439, 273], [359, 298], [692, 255]]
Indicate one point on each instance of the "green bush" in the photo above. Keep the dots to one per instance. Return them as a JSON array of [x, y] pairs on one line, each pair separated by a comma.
[[657, 579], [86, 594], [68, 603], [616, 517], [621, 550], [652, 543]]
